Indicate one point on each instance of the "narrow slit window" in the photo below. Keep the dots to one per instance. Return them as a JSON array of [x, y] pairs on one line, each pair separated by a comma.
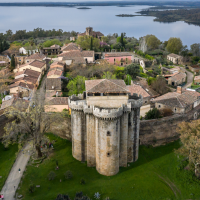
[[108, 133]]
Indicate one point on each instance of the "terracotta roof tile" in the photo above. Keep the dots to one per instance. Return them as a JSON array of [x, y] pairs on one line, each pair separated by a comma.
[[106, 86], [175, 99], [57, 101], [54, 72], [178, 76], [21, 84], [174, 55], [53, 84], [36, 56], [133, 88], [70, 47], [37, 63], [118, 54]]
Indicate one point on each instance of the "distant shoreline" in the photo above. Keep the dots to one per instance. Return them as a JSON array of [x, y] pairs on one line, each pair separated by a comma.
[[108, 3]]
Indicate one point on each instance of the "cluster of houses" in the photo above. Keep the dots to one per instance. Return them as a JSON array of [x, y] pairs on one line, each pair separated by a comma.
[[30, 70]]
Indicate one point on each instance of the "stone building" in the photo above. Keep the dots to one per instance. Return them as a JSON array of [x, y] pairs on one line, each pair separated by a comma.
[[180, 102], [89, 32], [105, 125], [176, 59]]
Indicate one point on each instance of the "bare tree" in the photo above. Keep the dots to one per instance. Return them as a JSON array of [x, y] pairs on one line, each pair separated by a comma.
[[190, 138], [4, 80], [30, 124]]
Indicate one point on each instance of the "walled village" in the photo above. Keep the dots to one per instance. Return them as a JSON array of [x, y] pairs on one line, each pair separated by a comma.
[[108, 95]]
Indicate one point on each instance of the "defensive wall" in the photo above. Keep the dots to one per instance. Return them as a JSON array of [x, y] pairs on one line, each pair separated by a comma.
[[161, 131]]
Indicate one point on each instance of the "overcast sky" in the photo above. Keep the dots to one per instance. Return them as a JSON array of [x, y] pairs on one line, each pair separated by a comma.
[[7, 1]]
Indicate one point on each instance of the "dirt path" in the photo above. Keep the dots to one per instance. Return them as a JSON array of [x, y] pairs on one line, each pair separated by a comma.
[[14, 177], [190, 77]]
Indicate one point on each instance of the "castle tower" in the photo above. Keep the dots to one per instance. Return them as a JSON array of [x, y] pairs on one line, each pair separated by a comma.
[[105, 125], [89, 31]]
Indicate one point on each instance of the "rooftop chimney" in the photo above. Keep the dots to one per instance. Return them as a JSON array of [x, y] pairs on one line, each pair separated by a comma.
[[179, 89]]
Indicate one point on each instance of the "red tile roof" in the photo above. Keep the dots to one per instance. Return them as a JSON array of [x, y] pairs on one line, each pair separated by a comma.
[[36, 56], [106, 86], [70, 47], [54, 72], [133, 88]]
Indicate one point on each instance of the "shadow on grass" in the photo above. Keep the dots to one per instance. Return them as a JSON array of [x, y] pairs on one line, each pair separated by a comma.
[[148, 154]]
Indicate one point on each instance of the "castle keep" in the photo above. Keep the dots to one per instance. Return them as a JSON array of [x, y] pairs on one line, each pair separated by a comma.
[[105, 125]]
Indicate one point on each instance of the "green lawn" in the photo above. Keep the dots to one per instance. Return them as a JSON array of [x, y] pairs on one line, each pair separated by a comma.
[[154, 176], [7, 158]]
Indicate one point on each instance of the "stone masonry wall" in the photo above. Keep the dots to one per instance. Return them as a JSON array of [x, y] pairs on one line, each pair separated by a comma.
[[107, 146], [161, 131]]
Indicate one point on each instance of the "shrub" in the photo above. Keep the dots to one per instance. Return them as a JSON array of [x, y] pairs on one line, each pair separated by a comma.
[[68, 174], [31, 188], [165, 112], [153, 114], [63, 197], [51, 175], [82, 181]]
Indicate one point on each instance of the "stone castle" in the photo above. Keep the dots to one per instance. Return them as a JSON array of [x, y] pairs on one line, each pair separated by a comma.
[[105, 123]]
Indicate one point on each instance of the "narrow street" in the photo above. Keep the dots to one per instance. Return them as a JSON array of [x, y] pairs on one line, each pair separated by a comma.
[[190, 77], [14, 177], [23, 157]]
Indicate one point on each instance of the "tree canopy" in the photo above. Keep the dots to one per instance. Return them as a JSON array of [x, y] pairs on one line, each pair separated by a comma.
[[85, 42], [190, 139], [174, 45], [31, 124], [133, 70], [76, 86], [152, 42], [49, 43]]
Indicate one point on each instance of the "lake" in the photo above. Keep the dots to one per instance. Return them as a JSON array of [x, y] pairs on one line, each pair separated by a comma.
[[99, 17]]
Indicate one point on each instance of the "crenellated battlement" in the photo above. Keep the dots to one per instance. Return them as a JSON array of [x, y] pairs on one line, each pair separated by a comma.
[[135, 100], [107, 114], [76, 104], [88, 109]]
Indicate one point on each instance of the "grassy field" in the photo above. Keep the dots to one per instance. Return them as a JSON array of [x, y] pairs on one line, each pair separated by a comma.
[[154, 176], [7, 158]]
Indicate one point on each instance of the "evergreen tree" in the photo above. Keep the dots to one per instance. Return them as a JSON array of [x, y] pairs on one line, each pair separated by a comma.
[[12, 63], [5, 45], [122, 39], [1, 47], [91, 43]]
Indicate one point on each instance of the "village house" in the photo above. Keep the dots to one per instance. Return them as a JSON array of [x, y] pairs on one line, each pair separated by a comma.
[[53, 50], [181, 101], [36, 56], [118, 58], [4, 60], [72, 38], [176, 79], [136, 88], [53, 84], [26, 51], [20, 60], [176, 59], [36, 65], [195, 68], [21, 88], [70, 47], [89, 32], [54, 73], [36, 76], [56, 104], [77, 57], [58, 66], [197, 80]]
